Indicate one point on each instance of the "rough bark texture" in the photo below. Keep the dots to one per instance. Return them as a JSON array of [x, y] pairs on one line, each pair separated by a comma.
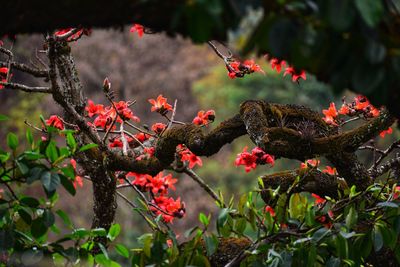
[[103, 182], [311, 180]]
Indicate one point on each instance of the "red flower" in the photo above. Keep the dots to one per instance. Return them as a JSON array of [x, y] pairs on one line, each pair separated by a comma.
[[247, 159], [160, 105], [361, 102], [277, 64], [75, 36], [159, 184], [330, 170], [142, 137], [115, 142], [330, 114], [396, 192], [3, 76], [125, 113], [204, 117], [324, 221], [148, 152], [385, 132], [295, 75], [55, 122], [189, 156], [270, 210], [344, 110], [174, 208], [158, 127], [93, 109], [140, 180], [78, 179], [137, 28], [309, 162], [250, 160], [251, 66], [318, 199]]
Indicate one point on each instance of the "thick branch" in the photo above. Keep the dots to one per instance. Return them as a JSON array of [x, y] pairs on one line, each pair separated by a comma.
[[312, 139], [311, 180]]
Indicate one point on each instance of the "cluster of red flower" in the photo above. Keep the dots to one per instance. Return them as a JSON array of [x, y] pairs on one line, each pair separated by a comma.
[[56, 122], [106, 115], [188, 156], [323, 219], [279, 64], [314, 163], [360, 106], [158, 186], [239, 69], [251, 160], [204, 117]]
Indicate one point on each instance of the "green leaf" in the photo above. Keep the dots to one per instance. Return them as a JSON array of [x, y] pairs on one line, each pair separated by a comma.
[[51, 152], [114, 231], [48, 218], [3, 117], [25, 216], [23, 168], [387, 204], [222, 218], [203, 219], [65, 218], [351, 218], [99, 232], [87, 147], [377, 238], [67, 184], [122, 250], [81, 233], [29, 136], [50, 181], [211, 244], [71, 142], [34, 174], [371, 11], [30, 202], [320, 234], [12, 141], [38, 229]]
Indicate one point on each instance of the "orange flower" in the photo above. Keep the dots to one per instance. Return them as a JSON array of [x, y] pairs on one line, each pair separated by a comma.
[[330, 170], [318, 199], [330, 114], [309, 162], [270, 210], [385, 132], [160, 105]]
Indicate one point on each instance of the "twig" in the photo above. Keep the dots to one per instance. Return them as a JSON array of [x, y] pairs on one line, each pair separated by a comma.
[[139, 129], [123, 139], [350, 120], [136, 208], [386, 153], [34, 127], [25, 68], [203, 185], [25, 88]]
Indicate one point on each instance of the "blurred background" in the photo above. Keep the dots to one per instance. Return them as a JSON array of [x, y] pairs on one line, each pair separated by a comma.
[[143, 68]]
